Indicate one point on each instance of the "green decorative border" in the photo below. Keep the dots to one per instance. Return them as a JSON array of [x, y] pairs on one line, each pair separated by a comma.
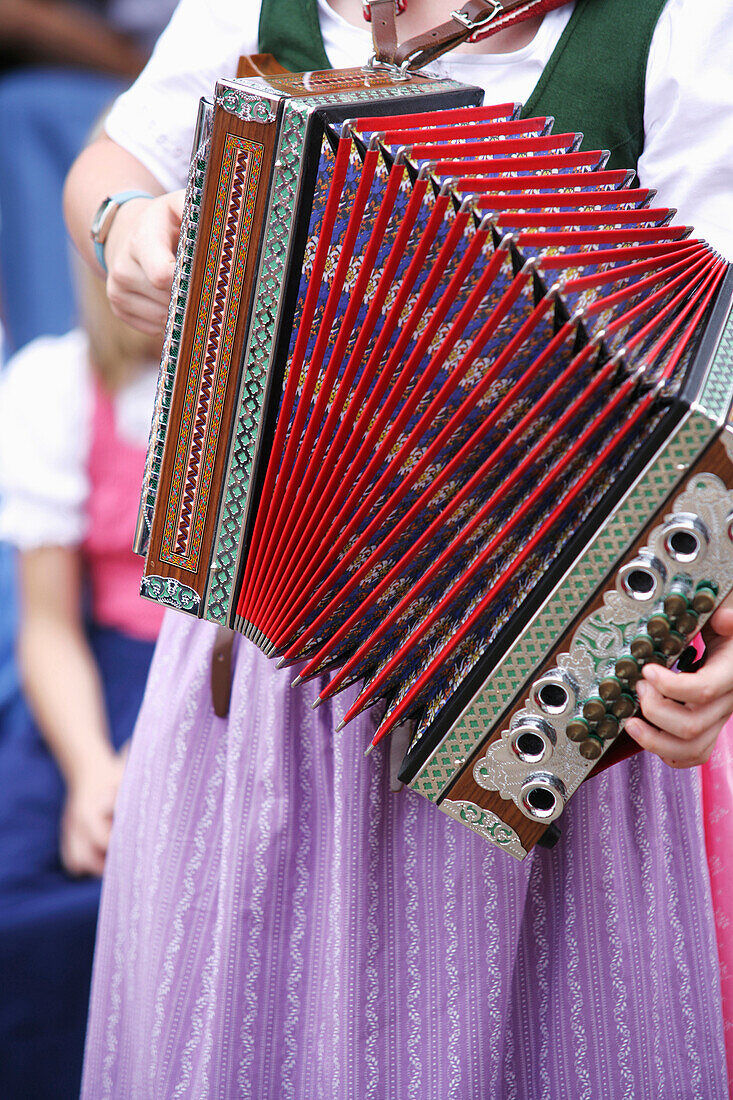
[[210, 362], [258, 355], [569, 597], [717, 392]]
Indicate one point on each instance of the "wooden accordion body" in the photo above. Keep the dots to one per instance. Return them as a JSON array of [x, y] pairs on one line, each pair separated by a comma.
[[617, 516]]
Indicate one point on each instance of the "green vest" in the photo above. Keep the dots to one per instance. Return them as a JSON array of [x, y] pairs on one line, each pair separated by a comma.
[[593, 82]]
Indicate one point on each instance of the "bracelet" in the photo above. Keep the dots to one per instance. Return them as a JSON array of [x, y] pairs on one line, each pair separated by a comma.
[[105, 215]]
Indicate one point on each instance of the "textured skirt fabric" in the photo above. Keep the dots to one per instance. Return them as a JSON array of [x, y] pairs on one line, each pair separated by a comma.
[[276, 923]]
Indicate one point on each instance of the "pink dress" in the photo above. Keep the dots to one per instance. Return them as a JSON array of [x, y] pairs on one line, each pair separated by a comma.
[[717, 803], [115, 475]]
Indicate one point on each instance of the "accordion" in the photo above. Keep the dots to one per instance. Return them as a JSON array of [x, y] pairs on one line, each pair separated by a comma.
[[443, 412]]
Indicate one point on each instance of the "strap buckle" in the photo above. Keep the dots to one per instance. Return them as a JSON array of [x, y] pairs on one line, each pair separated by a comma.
[[398, 73], [474, 25]]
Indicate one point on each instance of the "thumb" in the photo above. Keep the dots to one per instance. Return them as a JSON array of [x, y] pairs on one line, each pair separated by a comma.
[[176, 200], [720, 623]]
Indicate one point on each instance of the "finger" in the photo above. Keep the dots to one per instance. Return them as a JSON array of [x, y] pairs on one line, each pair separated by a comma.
[[145, 316], [685, 722], [721, 621], [675, 753], [95, 863], [131, 281], [159, 267], [176, 200], [79, 857], [99, 828], [708, 683]]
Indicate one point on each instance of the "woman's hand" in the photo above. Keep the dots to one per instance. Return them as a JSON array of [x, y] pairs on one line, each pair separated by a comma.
[[140, 254], [87, 818], [683, 712]]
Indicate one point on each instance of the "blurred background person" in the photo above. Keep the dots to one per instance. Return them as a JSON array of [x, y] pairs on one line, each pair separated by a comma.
[[61, 63], [75, 412]]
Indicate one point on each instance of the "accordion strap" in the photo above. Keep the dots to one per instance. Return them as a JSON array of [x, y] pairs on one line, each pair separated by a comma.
[[476, 20]]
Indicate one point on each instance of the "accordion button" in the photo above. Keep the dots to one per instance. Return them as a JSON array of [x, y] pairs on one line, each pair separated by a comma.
[[676, 602], [658, 658], [592, 748], [642, 647], [673, 644], [688, 622], [658, 626], [577, 730], [624, 706], [610, 688], [628, 669], [704, 599], [594, 709], [608, 727]]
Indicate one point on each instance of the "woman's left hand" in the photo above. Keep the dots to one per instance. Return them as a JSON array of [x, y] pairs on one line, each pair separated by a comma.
[[86, 821], [683, 712]]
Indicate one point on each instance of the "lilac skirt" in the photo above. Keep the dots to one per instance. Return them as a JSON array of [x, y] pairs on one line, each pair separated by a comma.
[[276, 923]]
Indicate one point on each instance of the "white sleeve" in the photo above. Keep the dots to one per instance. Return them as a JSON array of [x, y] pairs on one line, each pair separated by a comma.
[[155, 119], [45, 435], [688, 117]]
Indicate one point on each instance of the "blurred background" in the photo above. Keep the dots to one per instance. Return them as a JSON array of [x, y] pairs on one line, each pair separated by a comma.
[[76, 391]]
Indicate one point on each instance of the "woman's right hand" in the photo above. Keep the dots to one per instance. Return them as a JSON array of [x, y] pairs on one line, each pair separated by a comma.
[[140, 253]]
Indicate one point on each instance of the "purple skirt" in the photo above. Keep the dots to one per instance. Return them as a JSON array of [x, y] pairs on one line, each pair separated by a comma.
[[276, 923]]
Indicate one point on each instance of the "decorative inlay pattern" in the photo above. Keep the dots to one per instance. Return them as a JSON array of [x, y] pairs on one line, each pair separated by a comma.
[[172, 341], [568, 598], [266, 304], [170, 592], [210, 363], [246, 106], [486, 824], [398, 91]]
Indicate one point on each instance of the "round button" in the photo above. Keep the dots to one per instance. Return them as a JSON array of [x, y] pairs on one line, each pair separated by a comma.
[[658, 626], [673, 644], [628, 669], [594, 709], [704, 599], [642, 647], [688, 622], [624, 707], [592, 748], [675, 603], [610, 688], [577, 730], [608, 727]]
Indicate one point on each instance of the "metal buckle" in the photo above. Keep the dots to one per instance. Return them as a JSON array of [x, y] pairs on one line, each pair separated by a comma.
[[398, 73], [474, 25]]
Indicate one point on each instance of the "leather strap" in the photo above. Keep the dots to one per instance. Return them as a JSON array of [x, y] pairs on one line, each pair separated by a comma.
[[476, 20], [221, 671]]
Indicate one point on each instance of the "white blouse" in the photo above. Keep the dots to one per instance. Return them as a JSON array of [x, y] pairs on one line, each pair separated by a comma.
[[688, 113], [46, 411]]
